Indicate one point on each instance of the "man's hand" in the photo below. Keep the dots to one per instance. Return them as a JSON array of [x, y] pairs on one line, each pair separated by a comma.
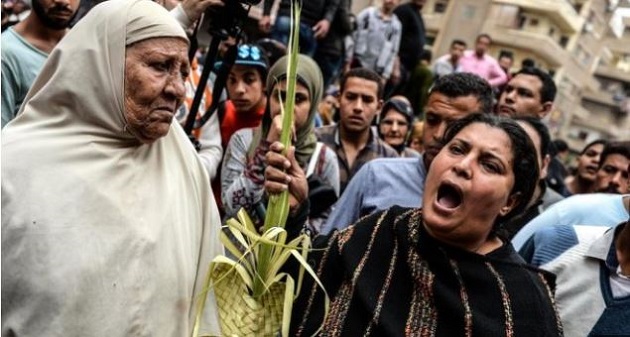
[[321, 29], [395, 76], [264, 24], [284, 173], [194, 8]]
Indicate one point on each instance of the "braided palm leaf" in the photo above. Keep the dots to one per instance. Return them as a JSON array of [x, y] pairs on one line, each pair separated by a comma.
[[254, 298]]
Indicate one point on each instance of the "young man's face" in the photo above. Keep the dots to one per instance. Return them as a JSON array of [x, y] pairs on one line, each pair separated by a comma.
[[482, 45], [588, 162], [612, 176], [245, 88], [521, 97], [505, 63], [358, 104], [457, 50]]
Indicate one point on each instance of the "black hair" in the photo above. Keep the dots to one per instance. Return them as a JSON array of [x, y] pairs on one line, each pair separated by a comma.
[[524, 165], [595, 142], [426, 55], [560, 145], [482, 35], [458, 42], [548, 89], [527, 63], [506, 54], [621, 148], [465, 84], [542, 131], [364, 73]]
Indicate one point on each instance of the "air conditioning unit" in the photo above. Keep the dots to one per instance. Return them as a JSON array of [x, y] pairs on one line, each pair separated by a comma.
[[588, 27]]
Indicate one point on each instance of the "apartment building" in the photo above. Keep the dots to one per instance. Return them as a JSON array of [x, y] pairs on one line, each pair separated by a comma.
[[572, 39]]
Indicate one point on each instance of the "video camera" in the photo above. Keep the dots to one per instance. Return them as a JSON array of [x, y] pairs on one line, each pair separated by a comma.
[[219, 23], [228, 19]]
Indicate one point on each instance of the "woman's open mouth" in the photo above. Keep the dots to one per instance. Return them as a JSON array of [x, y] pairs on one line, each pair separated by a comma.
[[449, 196]]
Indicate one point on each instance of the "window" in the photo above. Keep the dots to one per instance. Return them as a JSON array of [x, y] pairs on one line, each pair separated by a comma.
[[440, 6], [521, 21], [533, 22], [469, 12], [582, 135], [564, 40], [586, 58]]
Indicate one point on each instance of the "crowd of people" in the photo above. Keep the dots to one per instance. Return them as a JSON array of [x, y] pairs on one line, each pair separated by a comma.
[[438, 202]]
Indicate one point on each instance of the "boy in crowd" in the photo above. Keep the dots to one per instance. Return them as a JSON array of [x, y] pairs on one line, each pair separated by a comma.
[[353, 139]]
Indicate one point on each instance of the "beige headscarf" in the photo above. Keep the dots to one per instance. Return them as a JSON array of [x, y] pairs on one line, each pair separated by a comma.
[[101, 236], [309, 75]]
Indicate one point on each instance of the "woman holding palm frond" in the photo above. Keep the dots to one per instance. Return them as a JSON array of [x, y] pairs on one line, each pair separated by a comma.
[[439, 270], [242, 174]]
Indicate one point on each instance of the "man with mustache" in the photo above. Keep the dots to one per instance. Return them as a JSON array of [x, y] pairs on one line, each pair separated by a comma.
[[529, 97], [530, 92], [383, 183], [612, 174], [26, 46]]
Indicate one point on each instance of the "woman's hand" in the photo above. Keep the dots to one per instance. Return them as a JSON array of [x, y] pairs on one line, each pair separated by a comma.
[[275, 129], [284, 173]]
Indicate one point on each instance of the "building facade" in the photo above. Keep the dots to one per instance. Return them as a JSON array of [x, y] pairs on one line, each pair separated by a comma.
[[580, 42]]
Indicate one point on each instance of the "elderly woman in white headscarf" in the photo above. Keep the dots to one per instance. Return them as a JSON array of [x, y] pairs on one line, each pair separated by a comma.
[[108, 222]]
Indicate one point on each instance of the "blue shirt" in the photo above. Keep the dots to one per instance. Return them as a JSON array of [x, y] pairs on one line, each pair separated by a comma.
[[379, 185], [21, 63], [564, 219]]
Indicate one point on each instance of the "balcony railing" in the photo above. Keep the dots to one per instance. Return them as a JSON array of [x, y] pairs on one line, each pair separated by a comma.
[[560, 11], [614, 73], [540, 44]]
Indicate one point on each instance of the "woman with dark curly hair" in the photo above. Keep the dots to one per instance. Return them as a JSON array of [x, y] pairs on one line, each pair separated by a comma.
[[439, 270]]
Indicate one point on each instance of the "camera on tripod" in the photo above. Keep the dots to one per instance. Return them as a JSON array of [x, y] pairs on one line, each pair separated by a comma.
[[227, 20], [219, 23]]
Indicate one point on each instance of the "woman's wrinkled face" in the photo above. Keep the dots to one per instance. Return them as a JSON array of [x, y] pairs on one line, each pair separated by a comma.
[[155, 71], [394, 128], [302, 102], [588, 163], [468, 186]]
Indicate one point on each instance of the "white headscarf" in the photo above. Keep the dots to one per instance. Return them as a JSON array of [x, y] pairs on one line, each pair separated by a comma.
[[101, 235]]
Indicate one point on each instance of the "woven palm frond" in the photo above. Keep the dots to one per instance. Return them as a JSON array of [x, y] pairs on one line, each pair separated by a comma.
[[253, 296]]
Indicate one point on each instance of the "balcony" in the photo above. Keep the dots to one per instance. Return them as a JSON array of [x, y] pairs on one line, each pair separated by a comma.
[[602, 126], [601, 97], [560, 11], [536, 43], [613, 73]]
